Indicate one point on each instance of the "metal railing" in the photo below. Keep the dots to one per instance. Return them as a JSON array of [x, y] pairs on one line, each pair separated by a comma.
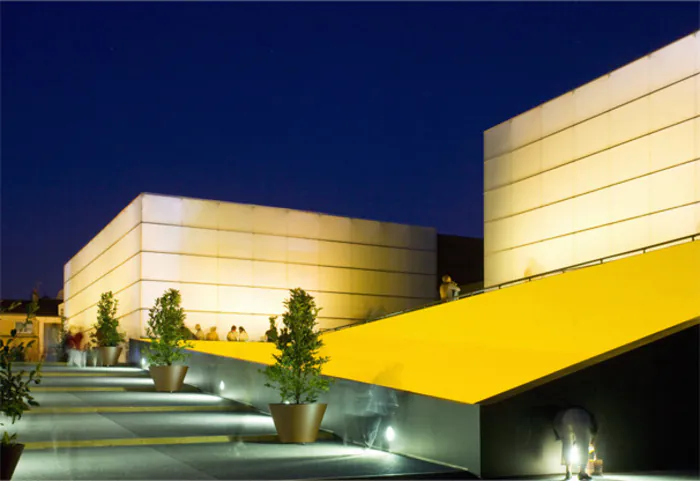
[[561, 270]]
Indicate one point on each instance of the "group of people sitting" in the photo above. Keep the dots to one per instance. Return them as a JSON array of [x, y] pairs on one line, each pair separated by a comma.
[[236, 334]]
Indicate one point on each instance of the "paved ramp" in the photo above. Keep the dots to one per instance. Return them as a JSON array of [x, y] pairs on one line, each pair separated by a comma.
[[85, 429]]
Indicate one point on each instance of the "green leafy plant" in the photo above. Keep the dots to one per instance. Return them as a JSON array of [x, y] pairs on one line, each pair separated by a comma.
[[32, 309], [296, 373], [167, 331], [106, 328], [15, 392]]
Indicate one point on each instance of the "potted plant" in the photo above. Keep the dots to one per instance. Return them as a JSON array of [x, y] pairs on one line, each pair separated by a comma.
[[166, 328], [106, 336], [15, 398], [296, 373]]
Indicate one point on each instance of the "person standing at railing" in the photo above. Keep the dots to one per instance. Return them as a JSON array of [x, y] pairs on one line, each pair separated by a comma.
[[449, 290]]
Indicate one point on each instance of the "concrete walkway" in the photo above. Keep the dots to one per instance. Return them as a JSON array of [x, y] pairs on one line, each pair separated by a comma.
[[97, 423]]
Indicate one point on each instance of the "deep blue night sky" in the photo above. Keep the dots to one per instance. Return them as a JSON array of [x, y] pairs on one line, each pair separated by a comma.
[[358, 109]]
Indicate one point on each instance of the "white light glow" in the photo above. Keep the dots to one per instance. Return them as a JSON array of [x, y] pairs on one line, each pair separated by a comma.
[[144, 363], [573, 455], [222, 385], [390, 434]]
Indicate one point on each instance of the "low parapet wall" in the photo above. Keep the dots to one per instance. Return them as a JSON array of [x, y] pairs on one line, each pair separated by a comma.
[[424, 427]]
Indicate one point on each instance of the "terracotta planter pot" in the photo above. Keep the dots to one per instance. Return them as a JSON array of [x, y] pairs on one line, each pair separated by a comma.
[[9, 457], [297, 423], [168, 378], [109, 356]]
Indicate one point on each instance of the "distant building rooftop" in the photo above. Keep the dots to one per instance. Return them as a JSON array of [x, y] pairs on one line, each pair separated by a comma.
[[47, 306]]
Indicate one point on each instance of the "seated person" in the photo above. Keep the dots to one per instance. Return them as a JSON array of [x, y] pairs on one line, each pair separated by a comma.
[[242, 336], [212, 336], [199, 333], [232, 335]]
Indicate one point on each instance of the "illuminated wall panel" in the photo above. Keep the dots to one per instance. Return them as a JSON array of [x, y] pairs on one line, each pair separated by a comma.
[[232, 261], [629, 235], [627, 200], [119, 252], [421, 262], [630, 121], [304, 251], [558, 149], [301, 275], [235, 217], [127, 219], [269, 220], [423, 238], [366, 232], [672, 104], [616, 168], [335, 254], [527, 161], [303, 224], [630, 82], [629, 160], [592, 99], [675, 62], [498, 141], [527, 194], [558, 184], [200, 213], [269, 248], [238, 272], [116, 280], [335, 279], [397, 235], [235, 244], [593, 135], [673, 145], [526, 128], [673, 187], [270, 274], [162, 209], [499, 204], [335, 228], [590, 244], [557, 114], [131, 324], [497, 171]]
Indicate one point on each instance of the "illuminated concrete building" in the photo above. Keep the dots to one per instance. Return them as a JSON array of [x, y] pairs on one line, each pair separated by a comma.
[[234, 264], [604, 169]]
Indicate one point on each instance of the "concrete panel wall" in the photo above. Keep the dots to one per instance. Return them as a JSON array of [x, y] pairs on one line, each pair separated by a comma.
[[234, 264], [110, 261], [609, 167], [425, 427]]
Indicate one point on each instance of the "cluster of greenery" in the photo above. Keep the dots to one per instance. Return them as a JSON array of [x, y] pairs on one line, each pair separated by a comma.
[[106, 333], [32, 309], [15, 392], [296, 373], [167, 331]]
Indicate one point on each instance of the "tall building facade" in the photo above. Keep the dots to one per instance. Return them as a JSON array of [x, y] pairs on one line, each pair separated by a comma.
[[604, 169], [234, 264]]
